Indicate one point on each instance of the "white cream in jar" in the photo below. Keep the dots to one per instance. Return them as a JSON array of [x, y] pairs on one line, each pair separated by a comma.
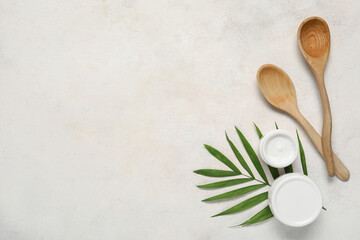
[[278, 148]]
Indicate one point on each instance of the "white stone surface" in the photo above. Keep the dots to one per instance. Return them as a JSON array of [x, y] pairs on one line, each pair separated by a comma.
[[105, 105]]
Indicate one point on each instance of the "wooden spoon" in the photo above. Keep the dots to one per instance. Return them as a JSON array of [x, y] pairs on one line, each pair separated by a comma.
[[278, 89], [314, 41]]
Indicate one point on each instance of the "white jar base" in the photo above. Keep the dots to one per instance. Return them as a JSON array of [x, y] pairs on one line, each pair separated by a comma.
[[295, 200]]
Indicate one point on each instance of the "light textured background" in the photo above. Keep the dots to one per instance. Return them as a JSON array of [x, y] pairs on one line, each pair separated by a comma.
[[105, 105]]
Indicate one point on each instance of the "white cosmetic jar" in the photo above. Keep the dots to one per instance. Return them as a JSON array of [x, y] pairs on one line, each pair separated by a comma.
[[295, 200], [278, 148]]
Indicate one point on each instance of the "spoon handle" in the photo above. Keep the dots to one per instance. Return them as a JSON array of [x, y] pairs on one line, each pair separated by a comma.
[[340, 169], [327, 124]]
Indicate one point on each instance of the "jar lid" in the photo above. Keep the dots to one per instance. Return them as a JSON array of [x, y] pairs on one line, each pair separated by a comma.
[[295, 200], [278, 148]]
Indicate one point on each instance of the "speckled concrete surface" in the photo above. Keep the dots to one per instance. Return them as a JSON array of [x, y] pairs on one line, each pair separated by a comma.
[[105, 105]]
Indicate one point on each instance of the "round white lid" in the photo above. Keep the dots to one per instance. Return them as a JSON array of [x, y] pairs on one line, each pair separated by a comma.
[[278, 148], [295, 200]]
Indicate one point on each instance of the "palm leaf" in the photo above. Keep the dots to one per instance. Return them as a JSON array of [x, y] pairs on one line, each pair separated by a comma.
[[289, 169], [258, 131], [215, 173], [265, 213], [274, 171], [221, 157], [235, 193], [239, 156], [259, 217], [249, 203], [250, 151], [302, 155], [225, 183]]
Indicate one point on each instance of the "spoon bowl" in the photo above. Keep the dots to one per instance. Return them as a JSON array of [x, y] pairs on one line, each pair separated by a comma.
[[314, 35], [278, 89]]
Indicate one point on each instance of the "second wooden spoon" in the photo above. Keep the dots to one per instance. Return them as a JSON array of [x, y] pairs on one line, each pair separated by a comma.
[[314, 43], [278, 89]]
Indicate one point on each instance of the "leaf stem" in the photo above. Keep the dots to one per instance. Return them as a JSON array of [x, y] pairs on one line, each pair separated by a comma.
[[255, 179]]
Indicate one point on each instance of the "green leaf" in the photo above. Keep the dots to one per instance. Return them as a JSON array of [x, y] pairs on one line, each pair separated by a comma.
[[221, 158], [239, 156], [258, 131], [324, 208], [274, 171], [235, 193], [276, 126], [225, 183], [249, 203], [259, 217], [302, 155], [216, 173], [250, 151], [289, 169]]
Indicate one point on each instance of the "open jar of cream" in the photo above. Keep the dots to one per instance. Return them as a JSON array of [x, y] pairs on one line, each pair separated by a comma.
[[295, 199], [278, 148]]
